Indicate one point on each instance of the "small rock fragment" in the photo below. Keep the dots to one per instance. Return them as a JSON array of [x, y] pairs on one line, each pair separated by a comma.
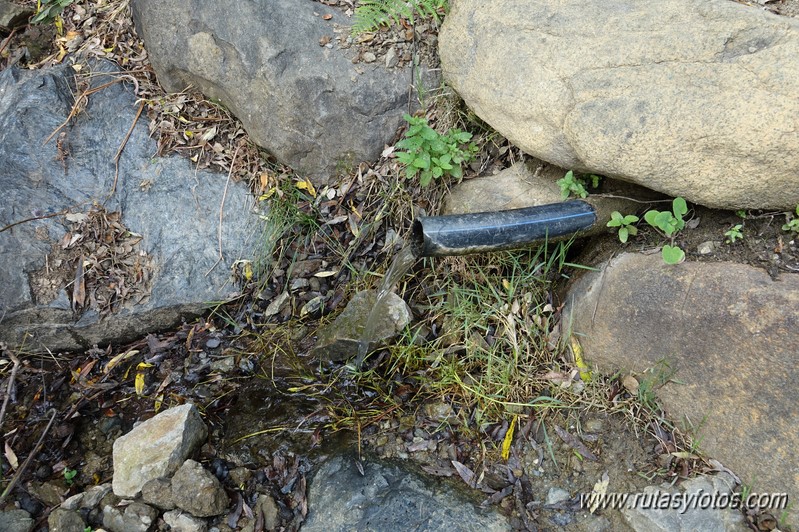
[[197, 491], [62, 520], [183, 522], [156, 448], [136, 517], [158, 492]]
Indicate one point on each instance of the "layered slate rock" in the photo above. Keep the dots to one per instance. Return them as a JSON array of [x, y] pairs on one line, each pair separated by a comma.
[[156, 448], [389, 498], [693, 99], [168, 212], [307, 104], [724, 337]]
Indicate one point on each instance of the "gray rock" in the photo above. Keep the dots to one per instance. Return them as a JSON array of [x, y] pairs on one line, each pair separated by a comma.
[[16, 521], [156, 448], [307, 104], [13, 15], [265, 508], [707, 247], [556, 495], [693, 99], [726, 335], [87, 499], [531, 184], [198, 491], [177, 215], [388, 498], [135, 517], [62, 520], [340, 339], [158, 492], [648, 516], [182, 522]]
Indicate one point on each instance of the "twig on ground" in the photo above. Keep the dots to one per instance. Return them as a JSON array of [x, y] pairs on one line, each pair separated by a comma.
[[42, 217], [122, 147], [221, 210], [27, 461], [8, 40], [11, 380], [81, 99]]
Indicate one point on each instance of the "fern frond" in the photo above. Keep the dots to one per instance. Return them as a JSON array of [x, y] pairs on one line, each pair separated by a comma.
[[372, 14]]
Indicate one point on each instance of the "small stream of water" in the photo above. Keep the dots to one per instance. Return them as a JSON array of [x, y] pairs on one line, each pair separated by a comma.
[[399, 267]]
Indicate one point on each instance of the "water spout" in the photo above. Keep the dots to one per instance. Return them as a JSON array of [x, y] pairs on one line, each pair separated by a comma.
[[464, 234]]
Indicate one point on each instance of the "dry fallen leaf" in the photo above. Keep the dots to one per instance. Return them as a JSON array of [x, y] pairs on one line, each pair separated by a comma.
[[11, 457], [506, 443], [79, 287]]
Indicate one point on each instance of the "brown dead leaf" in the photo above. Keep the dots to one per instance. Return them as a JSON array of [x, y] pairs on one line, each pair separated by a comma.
[[466, 474], [79, 287], [575, 444]]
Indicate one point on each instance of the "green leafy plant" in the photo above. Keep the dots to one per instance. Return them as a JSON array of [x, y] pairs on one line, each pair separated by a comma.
[[735, 233], [430, 154], [48, 10], [69, 475], [670, 223], [371, 14], [572, 184], [793, 222], [624, 223]]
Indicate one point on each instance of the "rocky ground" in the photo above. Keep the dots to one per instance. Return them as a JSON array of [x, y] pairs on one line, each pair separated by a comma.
[[273, 413]]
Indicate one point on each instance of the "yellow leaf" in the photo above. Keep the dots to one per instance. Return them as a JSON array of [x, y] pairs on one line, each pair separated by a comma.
[[508, 439], [506, 284], [248, 270], [158, 402], [268, 194], [306, 184], [577, 351], [139, 381], [139, 384], [119, 358]]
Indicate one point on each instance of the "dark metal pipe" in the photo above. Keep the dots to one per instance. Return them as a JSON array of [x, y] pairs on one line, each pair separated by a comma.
[[464, 234]]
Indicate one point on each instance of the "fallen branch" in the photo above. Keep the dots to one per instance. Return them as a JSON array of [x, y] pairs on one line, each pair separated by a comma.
[[221, 210], [82, 98], [42, 217], [27, 461], [122, 147], [11, 379]]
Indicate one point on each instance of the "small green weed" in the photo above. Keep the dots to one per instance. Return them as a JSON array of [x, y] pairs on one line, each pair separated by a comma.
[[572, 184], [69, 475], [625, 225], [48, 10], [735, 233], [670, 223], [372, 14], [431, 154], [792, 224]]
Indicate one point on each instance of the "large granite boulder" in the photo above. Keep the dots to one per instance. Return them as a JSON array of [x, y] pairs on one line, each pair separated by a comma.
[[693, 99], [155, 245], [306, 102], [723, 335]]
